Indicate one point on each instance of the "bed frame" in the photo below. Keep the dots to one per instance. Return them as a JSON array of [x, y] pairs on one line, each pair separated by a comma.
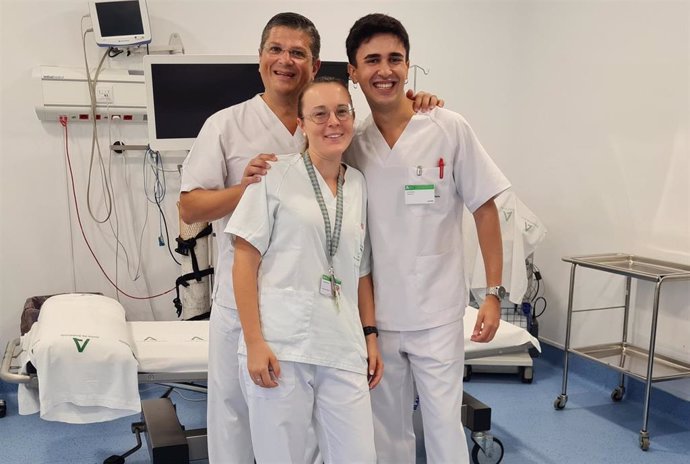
[[168, 441]]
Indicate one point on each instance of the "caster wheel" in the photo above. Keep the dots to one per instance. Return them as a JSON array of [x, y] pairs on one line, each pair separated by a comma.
[[115, 459], [467, 374], [492, 455], [617, 394], [644, 443], [526, 374], [560, 402]]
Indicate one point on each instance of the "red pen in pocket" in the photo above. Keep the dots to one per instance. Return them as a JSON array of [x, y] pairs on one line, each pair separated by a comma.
[[441, 165]]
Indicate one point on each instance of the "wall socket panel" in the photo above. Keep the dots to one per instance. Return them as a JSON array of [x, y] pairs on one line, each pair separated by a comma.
[[104, 93]]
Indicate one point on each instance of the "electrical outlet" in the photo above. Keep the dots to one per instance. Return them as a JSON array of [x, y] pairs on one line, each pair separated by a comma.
[[104, 93]]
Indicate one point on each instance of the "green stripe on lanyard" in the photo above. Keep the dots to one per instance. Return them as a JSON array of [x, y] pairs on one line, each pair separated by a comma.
[[332, 240]]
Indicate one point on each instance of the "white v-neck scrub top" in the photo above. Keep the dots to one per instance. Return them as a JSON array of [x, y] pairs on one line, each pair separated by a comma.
[[417, 249], [281, 218], [228, 140]]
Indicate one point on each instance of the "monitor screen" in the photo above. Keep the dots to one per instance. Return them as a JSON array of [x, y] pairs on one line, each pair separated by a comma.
[[184, 90], [185, 95], [120, 22]]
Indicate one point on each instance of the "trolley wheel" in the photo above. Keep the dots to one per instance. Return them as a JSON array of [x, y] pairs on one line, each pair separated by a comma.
[[560, 402], [492, 455], [617, 393], [526, 374], [467, 374], [114, 459], [644, 441]]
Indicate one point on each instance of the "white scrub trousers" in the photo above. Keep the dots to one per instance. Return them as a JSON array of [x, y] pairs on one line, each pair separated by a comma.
[[433, 359], [336, 401], [229, 440]]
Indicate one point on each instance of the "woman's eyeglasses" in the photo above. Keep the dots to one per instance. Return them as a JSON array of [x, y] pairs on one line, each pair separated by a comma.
[[322, 115]]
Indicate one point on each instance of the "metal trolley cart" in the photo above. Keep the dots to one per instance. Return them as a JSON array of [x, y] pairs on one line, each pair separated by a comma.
[[630, 360]]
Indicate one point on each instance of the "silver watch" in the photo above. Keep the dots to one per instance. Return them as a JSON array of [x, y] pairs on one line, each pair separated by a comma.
[[498, 291]]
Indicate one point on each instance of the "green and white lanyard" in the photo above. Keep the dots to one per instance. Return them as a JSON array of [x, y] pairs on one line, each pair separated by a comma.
[[332, 239]]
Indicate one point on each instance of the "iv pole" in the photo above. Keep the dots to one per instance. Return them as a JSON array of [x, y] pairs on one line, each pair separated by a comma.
[[414, 75]]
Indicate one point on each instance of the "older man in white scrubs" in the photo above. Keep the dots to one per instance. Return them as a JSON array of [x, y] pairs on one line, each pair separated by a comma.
[[214, 177], [420, 170]]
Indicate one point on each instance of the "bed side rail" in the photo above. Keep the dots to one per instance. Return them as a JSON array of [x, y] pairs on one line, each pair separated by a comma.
[[9, 371]]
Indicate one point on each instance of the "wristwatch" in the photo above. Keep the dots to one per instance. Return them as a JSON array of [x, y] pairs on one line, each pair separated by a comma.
[[498, 291], [370, 329]]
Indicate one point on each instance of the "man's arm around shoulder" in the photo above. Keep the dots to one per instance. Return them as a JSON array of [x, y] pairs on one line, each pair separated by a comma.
[[208, 205]]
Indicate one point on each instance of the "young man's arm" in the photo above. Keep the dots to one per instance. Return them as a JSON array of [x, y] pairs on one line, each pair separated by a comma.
[[491, 245], [208, 205]]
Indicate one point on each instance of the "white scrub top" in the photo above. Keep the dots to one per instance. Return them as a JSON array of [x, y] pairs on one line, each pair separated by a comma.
[[224, 146], [281, 218], [417, 249]]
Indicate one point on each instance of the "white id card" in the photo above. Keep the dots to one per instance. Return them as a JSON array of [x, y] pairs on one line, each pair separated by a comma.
[[420, 194], [326, 289]]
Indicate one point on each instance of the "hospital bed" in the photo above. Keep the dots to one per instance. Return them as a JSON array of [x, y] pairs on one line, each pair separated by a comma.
[[521, 233], [174, 353]]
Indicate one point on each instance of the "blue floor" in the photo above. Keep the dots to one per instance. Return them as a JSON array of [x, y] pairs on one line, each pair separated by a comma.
[[591, 428], [30, 440]]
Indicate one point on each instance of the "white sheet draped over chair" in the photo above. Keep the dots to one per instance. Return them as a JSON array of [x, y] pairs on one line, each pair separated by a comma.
[[82, 352], [521, 231]]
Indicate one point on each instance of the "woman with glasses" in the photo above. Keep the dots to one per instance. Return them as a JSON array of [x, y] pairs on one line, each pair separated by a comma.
[[304, 293]]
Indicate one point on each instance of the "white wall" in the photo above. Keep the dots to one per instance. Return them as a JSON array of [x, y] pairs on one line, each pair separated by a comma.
[[603, 156], [584, 104]]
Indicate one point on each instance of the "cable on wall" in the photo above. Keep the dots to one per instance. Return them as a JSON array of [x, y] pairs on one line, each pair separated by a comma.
[[63, 123], [95, 145], [154, 161]]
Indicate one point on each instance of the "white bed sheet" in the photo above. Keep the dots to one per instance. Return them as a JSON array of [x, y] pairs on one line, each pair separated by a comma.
[[181, 347], [508, 337], [170, 346]]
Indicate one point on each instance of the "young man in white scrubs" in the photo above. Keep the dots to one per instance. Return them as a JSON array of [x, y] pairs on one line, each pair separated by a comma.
[[420, 171], [219, 167]]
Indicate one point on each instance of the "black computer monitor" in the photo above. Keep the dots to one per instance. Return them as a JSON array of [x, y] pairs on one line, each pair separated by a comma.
[[184, 90]]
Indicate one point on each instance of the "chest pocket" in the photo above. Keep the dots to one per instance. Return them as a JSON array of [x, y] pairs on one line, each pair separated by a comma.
[[442, 189]]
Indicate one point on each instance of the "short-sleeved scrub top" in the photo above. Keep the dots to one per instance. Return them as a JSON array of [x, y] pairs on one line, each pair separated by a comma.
[[417, 250], [281, 218]]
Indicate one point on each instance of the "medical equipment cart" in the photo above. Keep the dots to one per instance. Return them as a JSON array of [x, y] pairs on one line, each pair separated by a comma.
[[624, 357]]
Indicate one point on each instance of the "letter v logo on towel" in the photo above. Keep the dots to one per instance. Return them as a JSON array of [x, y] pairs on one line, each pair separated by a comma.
[[82, 346]]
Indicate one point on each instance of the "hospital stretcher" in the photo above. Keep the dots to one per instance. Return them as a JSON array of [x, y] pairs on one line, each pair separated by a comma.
[[174, 353]]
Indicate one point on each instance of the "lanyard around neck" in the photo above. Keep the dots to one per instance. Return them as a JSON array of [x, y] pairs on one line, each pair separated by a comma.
[[332, 240]]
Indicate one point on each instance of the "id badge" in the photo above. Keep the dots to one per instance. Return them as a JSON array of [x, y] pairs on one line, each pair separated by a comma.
[[326, 288], [420, 194]]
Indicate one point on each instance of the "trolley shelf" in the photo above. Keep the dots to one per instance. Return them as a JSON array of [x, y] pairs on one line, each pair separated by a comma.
[[633, 266], [633, 361]]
